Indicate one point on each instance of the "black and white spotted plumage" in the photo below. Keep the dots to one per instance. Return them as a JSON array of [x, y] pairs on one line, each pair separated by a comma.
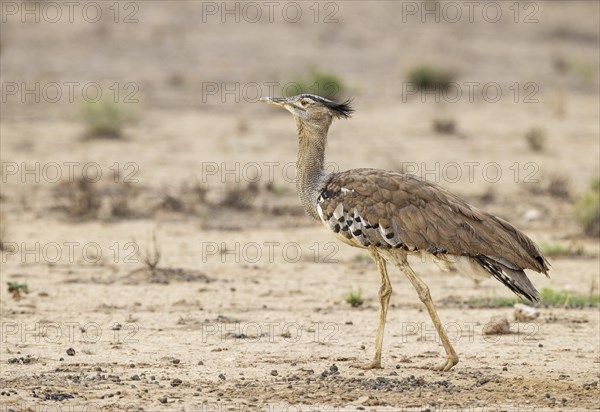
[[395, 212]]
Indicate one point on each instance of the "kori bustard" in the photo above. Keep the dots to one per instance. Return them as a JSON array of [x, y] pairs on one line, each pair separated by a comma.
[[394, 215]]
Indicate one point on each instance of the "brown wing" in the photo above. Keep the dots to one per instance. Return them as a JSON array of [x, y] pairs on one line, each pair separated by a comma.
[[392, 210]]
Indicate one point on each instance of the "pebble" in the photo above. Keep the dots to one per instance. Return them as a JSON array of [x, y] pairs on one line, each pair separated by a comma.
[[498, 325], [71, 352], [274, 373]]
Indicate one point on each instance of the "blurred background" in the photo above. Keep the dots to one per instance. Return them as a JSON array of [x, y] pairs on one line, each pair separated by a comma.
[[133, 126], [496, 101]]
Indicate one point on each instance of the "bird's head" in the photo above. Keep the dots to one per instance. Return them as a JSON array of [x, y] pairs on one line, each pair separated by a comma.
[[312, 109]]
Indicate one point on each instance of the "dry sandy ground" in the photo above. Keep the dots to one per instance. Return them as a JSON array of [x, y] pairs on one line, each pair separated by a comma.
[[267, 335], [218, 328]]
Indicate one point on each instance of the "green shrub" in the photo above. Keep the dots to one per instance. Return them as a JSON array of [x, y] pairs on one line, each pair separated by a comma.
[[548, 297], [562, 298], [559, 250], [319, 82], [105, 118], [354, 298], [428, 77], [587, 210]]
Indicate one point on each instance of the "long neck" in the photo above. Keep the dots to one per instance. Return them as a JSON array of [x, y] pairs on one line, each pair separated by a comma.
[[310, 164]]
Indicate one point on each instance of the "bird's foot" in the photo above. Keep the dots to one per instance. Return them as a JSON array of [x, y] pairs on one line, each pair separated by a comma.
[[450, 362], [374, 364]]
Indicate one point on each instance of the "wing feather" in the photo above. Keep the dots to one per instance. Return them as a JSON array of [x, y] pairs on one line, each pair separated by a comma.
[[392, 210]]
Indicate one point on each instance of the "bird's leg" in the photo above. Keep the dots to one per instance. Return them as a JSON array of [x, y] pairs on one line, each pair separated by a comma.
[[385, 291], [423, 291]]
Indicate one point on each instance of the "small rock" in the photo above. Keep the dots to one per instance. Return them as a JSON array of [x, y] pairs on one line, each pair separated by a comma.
[[498, 325], [200, 363], [524, 313], [163, 399], [221, 376], [532, 214], [176, 361], [274, 373], [482, 381], [135, 378], [71, 352], [176, 382], [362, 400], [333, 368]]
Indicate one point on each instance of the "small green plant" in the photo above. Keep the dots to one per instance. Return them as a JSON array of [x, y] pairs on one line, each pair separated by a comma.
[[16, 288], [354, 298], [105, 118], [567, 299], [492, 302], [536, 139], [559, 250], [587, 210], [548, 297], [428, 77], [319, 82]]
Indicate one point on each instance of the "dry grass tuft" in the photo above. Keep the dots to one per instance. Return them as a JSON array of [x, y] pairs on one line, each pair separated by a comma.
[[83, 199], [444, 126], [536, 139], [239, 196]]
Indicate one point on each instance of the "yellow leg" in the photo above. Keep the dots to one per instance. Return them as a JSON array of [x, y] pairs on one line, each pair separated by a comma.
[[385, 291], [423, 291]]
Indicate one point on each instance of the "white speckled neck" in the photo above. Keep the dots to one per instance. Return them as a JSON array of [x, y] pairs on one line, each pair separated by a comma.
[[310, 163]]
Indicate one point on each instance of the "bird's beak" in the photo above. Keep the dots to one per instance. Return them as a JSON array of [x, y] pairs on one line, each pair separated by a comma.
[[276, 101]]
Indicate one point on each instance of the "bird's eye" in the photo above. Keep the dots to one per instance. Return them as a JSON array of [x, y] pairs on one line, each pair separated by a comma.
[[304, 103]]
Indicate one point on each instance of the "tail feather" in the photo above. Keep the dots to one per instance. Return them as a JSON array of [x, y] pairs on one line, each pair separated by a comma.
[[515, 280]]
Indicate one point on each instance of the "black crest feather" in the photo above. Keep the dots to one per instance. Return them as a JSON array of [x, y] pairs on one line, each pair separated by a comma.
[[340, 110]]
